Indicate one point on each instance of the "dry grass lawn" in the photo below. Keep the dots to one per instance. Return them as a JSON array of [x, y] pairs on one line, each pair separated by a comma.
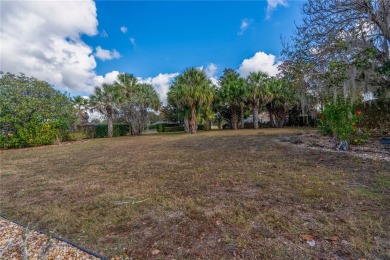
[[218, 194]]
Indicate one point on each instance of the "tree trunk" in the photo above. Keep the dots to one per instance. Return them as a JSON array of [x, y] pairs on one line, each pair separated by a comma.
[[220, 122], [303, 110], [186, 125], [109, 122], [353, 79], [234, 117], [256, 115], [193, 120], [207, 125], [143, 120], [335, 93], [345, 90], [278, 116], [242, 116], [385, 47]]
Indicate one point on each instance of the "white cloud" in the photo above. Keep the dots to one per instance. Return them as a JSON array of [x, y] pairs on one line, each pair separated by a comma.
[[211, 71], [244, 25], [109, 78], [259, 62], [124, 29], [43, 40], [132, 41], [273, 4], [106, 54], [161, 84]]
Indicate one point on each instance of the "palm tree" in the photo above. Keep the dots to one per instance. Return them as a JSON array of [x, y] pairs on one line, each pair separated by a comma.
[[81, 105], [257, 92], [136, 99], [105, 100], [283, 98], [145, 97], [128, 84], [232, 93], [175, 99], [190, 91]]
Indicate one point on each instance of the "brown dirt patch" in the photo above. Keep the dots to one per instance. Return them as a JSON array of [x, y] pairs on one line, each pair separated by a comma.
[[217, 194]]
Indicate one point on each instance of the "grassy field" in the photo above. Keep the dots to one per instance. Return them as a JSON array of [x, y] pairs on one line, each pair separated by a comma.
[[219, 194]]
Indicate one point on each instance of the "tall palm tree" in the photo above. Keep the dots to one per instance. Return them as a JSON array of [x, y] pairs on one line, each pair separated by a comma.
[[284, 97], [81, 105], [175, 99], [191, 90], [145, 97], [128, 84], [136, 99], [257, 92], [105, 100], [232, 93]]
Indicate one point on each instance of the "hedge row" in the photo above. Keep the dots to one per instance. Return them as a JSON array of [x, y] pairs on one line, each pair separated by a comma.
[[164, 127], [174, 128], [118, 130], [161, 128]]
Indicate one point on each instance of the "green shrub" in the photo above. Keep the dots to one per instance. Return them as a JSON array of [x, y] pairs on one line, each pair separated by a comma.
[[34, 133], [32, 113], [174, 129], [165, 127], [75, 136], [39, 134], [118, 130], [88, 130], [160, 128], [376, 115], [341, 120]]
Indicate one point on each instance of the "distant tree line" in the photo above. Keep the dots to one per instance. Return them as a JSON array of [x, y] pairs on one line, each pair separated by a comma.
[[195, 100], [337, 63], [126, 99]]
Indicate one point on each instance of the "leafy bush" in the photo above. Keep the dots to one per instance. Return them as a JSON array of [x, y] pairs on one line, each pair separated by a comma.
[[376, 115], [341, 120], [152, 127], [33, 133], [87, 130], [32, 112], [248, 125], [75, 136], [226, 126], [171, 127], [118, 130], [174, 129], [160, 128]]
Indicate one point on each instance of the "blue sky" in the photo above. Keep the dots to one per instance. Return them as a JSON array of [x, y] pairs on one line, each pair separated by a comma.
[[170, 36], [78, 45]]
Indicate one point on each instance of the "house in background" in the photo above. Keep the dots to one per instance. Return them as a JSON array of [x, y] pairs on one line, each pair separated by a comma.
[[263, 118]]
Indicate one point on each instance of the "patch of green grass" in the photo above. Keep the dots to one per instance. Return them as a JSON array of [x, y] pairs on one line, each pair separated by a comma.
[[366, 193], [383, 181], [6, 175]]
